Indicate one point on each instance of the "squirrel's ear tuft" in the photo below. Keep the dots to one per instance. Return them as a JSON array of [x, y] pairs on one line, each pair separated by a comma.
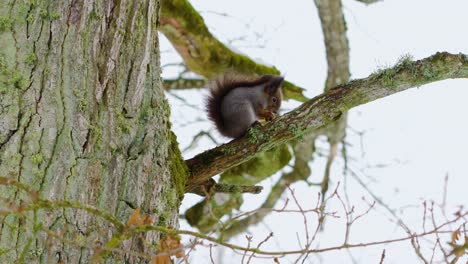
[[273, 84]]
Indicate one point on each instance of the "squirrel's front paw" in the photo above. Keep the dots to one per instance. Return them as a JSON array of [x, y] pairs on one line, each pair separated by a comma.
[[270, 116]]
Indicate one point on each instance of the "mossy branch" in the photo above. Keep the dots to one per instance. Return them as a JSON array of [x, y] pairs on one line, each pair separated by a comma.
[[325, 109], [183, 83], [203, 53], [231, 188]]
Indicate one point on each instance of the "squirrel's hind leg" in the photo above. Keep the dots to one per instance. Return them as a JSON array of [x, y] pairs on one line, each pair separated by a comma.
[[240, 120]]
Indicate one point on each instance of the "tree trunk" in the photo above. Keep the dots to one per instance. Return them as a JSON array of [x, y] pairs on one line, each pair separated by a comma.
[[83, 119]]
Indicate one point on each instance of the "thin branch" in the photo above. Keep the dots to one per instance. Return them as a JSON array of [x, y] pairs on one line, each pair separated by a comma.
[[259, 245], [436, 230], [231, 188], [36, 203], [199, 136], [382, 257], [249, 240]]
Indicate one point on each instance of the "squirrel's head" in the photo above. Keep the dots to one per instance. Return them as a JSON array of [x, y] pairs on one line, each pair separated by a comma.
[[273, 91]]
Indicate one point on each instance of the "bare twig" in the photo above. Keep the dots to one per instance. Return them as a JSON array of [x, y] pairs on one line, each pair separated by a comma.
[[199, 136], [260, 244], [211, 254], [249, 240], [382, 257]]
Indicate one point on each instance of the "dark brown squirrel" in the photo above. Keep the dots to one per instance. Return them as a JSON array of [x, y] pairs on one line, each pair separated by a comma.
[[236, 102]]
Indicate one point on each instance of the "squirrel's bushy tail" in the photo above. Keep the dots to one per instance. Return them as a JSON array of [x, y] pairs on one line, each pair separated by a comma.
[[220, 87]]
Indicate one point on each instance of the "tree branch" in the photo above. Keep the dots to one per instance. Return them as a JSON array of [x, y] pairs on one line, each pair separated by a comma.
[[231, 188], [337, 50], [183, 83], [203, 53], [325, 109], [336, 43]]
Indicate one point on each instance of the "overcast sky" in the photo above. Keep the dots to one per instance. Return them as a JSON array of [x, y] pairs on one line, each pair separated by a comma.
[[402, 147]]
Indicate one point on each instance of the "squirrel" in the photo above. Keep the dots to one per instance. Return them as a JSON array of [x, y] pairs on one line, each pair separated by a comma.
[[237, 102]]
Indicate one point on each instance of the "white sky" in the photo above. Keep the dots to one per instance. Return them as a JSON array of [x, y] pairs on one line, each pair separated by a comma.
[[419, 135]]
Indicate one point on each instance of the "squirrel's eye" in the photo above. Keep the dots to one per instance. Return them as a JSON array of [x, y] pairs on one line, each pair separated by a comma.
[[273, 99]]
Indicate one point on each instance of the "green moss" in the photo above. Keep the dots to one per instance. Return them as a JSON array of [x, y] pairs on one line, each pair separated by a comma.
[[294, 129], [54, 15], [82, 106], [122, 123], [31, 59], [207, 157], [154, 103], [44, 13], [93, 15], [279, 126], [23, 10], [206, 214], [95, 135], [387, 78], [228, 150], [164, 218], [254, 134], [405, 60], [387, 75], [30, 18], [3, 62], [177, 166], [429, 73], [184, 10], [5, 23], [34, 3], [17, 80], [406, 63], [37, 158], [37, 173], [258, 168], [464, 57], [170, 198]]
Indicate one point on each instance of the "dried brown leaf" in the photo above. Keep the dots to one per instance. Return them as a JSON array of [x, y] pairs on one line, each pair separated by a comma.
[[137, 219], [161, 259], [134, 218], [456, 235], [147, 220], [171, 244]]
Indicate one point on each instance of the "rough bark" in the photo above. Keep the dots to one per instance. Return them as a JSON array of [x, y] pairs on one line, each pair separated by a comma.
[[83, 118], [324, 109]]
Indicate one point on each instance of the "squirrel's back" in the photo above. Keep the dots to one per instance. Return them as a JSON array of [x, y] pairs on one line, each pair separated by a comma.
[[238, 114]]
